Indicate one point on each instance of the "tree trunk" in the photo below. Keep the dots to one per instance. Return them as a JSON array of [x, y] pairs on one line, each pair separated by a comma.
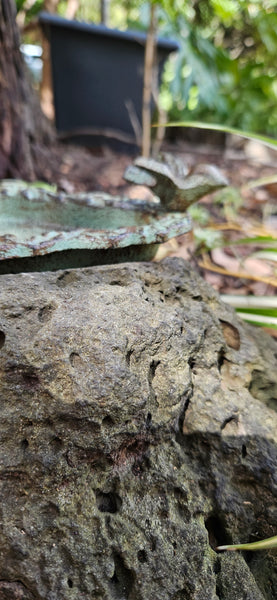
[[23, 128], [149, 61], [46, 88], [104, 6]]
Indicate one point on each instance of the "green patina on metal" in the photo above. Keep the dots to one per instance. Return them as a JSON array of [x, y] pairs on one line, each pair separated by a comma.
[[41, 229]]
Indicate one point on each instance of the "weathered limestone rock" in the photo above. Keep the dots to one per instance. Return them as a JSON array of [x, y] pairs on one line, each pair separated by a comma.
[[138, 431]]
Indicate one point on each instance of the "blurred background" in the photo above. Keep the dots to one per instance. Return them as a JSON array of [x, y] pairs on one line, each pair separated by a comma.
[[225, 70]]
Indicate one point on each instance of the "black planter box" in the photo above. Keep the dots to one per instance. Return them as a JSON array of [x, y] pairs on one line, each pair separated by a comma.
[[98, 78]]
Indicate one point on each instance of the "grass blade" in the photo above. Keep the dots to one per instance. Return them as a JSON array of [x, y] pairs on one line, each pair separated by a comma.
[[267, 141], [257, 319], [262, 545], [269, 180], [269, 254], [250, 301]]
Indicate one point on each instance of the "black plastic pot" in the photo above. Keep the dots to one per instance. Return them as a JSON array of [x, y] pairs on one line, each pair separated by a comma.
[[98, 78]]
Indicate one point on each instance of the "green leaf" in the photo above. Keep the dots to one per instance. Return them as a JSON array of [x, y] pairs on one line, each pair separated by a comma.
[[260, 311], [43, 186], [259, 182], [258, 319], [267, 141], [262, 545], [259, 239], [207, 238], [270, 312], [199, 214], [256, 302], [269, 254]]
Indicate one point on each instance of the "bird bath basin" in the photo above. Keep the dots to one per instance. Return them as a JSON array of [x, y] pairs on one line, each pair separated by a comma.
[[41, 230]]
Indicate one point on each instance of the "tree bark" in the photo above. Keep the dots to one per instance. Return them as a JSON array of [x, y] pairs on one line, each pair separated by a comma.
[[46, 88], [23, 127], [71, 9], [104, 6], [149, 61]]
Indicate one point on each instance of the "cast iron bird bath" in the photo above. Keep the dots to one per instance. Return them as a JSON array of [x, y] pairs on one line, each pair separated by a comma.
[[41, 230]]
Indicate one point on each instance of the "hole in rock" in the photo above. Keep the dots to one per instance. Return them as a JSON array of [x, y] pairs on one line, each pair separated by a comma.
[[75, 359], [263, 387], [2, 339], [50, 511], [108, 502], [181, 421], [243, 451], [114, 578], [142, 556], [152, 369], [230, 334], [24, 444], [122, 581], [182, 504], [70, 583], [31, 380], [44, 313], [140, 454], [191, 362], [217, 566], [220, 359], [140, 465], [148, 419], [153, 544], [67, 278], [108, 421], [183, 594], [231, 419], [128, 357], [216, 531], [56, 444]]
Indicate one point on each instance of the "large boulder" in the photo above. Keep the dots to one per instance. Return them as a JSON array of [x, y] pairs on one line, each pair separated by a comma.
[[138, 431]]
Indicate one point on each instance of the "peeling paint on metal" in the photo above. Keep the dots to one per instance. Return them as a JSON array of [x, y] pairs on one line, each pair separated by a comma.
[[35, 222]]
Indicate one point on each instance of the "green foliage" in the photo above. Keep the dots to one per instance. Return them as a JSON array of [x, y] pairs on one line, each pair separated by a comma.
[[206, 239], [230, 199], [194, 77], [246, 76], [31, 10], [226, 69], [199, 214]]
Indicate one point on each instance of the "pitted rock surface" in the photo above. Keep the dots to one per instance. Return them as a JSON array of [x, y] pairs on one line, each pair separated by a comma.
[[138, 432]]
